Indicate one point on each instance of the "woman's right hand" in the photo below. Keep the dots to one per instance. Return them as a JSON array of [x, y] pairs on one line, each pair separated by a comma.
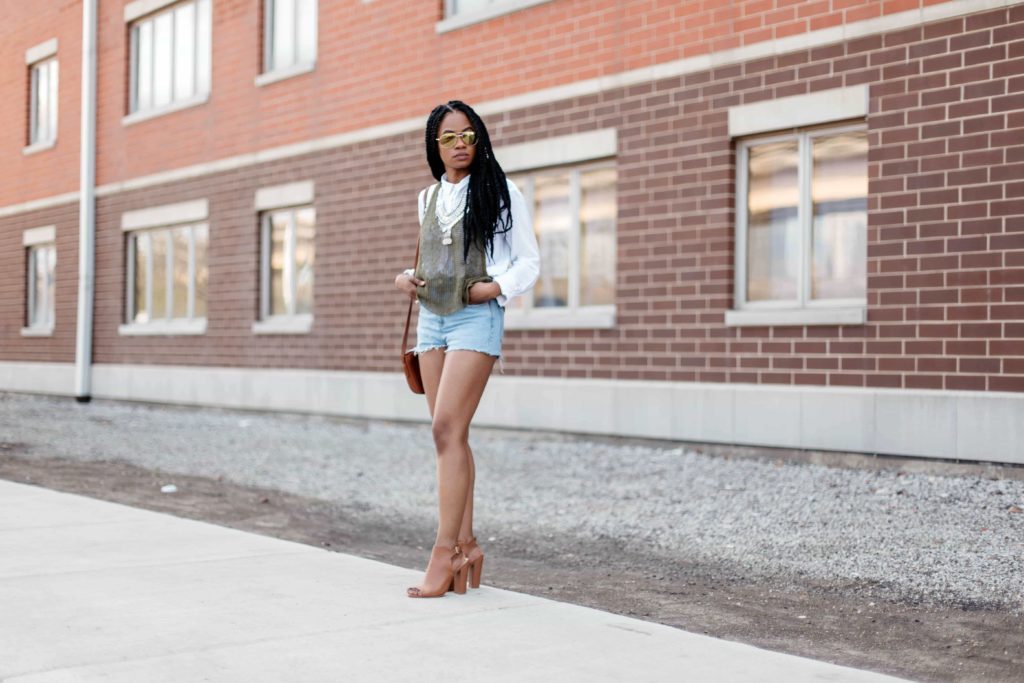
[[408, 284]]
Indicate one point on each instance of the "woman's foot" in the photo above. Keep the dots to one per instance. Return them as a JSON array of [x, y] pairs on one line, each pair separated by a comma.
[[474, 559], [447, 570]]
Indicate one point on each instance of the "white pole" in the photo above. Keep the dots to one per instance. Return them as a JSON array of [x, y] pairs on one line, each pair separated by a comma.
[[86, 207]]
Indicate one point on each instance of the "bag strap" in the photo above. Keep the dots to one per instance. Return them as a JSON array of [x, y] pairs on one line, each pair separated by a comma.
[[408, 316]]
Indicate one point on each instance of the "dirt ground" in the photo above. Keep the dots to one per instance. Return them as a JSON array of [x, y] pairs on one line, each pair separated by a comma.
[[825, 622]]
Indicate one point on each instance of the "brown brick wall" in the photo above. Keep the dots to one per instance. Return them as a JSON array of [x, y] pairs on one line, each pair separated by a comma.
[[946, 223], [59, 348], [946, 230], [365, 210]]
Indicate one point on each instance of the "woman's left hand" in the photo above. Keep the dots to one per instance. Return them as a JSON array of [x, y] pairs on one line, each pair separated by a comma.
[[482, 292]]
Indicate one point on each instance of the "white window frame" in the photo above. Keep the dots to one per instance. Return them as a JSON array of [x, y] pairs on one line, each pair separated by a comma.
[[144, 11], [279, 73], [36, 57], [573, 315], [34, 240], [537, 156], [290, 198], [164, 219], [803, 310], [455, 19]]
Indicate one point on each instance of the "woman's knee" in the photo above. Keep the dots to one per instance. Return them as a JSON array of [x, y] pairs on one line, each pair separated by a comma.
[[448, 432]]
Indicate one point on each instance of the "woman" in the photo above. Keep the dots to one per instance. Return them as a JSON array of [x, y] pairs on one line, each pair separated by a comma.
[[477, 252]]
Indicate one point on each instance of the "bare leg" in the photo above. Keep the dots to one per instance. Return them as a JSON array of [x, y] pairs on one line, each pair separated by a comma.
[[431, 367], [453, 384], [463, 379], [466, 530]]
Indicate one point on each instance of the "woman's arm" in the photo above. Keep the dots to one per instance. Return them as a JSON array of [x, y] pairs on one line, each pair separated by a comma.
[[525, 255], [421, 204], [406, 278]]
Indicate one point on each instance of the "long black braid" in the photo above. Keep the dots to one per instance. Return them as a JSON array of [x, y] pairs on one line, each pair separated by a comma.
[[488, 206]]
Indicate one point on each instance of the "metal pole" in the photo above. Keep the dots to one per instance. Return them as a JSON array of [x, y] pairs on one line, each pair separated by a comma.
[[86, 207]]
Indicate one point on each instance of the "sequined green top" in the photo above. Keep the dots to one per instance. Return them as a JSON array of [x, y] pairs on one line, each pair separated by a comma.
[[441, 266]]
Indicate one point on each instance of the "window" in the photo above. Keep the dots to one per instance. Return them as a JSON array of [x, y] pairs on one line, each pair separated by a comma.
[[286, 269], [574, 216], [802, 223], [461, 13], [801, 209], [289, 37], [42, 257], [464, 6], [167, 277], [170, 58], [43, 103]]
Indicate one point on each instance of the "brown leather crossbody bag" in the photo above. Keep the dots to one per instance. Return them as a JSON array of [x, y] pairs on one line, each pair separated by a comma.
[[410, 361]]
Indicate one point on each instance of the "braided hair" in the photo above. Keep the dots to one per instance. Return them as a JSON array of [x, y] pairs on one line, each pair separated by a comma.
[[488, 206]]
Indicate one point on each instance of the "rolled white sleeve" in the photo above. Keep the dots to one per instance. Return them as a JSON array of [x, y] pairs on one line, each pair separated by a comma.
[[524, 257]]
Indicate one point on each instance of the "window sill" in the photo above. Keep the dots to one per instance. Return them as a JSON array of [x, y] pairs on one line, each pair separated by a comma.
[[284, 73], [147, 114], [853, 315], [37, 331], [140, 8], [590, 318], [163, 328], [284, 324], [37, 147], [498, 9]]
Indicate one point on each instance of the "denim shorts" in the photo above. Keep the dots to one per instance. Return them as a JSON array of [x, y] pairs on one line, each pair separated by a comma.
[[477, 327]]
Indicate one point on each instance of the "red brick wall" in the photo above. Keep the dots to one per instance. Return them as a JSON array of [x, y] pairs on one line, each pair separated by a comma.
[[53, 171], [378, 62], [946, 230]]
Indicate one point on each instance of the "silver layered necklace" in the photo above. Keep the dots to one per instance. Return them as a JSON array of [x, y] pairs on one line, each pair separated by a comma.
[[448, 215]]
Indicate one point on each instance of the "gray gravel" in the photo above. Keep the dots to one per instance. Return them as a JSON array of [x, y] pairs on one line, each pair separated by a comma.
[[927, 538]]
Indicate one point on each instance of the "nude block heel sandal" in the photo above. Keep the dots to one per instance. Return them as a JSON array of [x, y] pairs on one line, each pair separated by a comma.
[[475, 557], [457, 573]]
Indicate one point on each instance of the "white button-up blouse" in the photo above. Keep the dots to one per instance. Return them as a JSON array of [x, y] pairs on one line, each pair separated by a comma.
[[515, 264]]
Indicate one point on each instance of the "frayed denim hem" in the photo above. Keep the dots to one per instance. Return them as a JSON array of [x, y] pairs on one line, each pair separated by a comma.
[[501, 358], [418, 351]]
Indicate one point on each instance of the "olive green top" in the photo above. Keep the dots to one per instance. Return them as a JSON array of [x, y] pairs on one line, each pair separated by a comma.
[[441, 266]]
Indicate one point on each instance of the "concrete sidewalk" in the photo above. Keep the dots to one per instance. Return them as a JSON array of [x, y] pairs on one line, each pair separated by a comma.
[[91, 590]]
